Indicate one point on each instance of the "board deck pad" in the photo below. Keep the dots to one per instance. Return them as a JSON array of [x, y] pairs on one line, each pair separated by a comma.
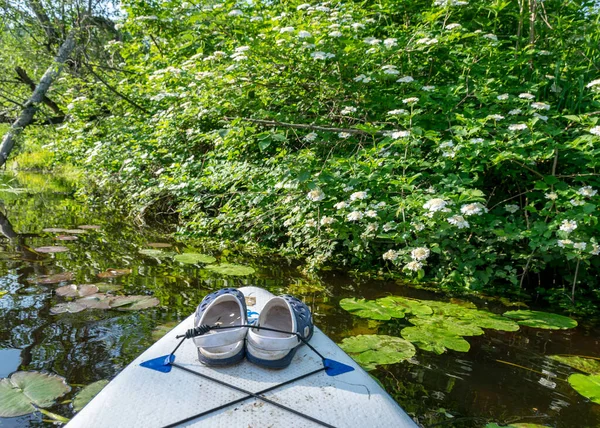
[[143, 397]]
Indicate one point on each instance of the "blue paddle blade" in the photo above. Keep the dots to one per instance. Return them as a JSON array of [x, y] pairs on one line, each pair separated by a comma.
[[334, 368], [160, 364]]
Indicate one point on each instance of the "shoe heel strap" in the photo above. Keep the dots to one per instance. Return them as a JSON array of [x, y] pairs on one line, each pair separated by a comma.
[[272, 343], [216, 338]]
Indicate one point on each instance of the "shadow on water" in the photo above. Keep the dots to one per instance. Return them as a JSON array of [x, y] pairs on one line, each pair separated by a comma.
[[504, 377]]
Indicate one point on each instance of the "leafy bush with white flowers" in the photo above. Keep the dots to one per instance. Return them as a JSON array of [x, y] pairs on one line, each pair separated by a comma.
[[449, 141]]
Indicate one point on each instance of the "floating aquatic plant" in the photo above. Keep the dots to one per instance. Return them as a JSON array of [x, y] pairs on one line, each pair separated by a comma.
[[370, 309], [373, 350], [88, 392], [194, 258], [231, 269], [24, 391], [51, 249], [538, 319], [586, 365], [586, 385], [159, 245], [435, 338], [53, 279], [76, 290]]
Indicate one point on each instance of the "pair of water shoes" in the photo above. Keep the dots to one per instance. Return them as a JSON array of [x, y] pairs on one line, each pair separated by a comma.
[[229, 344]]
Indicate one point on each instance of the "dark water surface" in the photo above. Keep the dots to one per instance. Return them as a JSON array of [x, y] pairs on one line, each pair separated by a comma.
[[505, 377]]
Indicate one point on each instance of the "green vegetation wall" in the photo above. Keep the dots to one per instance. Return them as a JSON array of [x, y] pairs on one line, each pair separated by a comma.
[[453, 141]]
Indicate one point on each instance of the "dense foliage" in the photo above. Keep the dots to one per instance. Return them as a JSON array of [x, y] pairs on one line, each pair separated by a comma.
[[454, 142]]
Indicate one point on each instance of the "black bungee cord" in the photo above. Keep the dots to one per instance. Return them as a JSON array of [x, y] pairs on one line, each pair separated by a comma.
[[203, 329]]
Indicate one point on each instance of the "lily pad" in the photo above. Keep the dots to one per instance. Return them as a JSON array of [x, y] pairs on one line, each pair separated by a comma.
[[89, 227], [69, 307], [371, 309], [586, 385], [105, 287], [75, 231], [586, 365], [54, 230], [54, 279], [452, 325], [77, 290], [545, 320], [88, 392], [373, 350], [96, 301], [438, 340], [160, 330], [231, 269], [20, 393], [66, 238], [409, 306], [193, 258], [159, 245], [51, 249], [114, 273], [133, 303], [151, 252]]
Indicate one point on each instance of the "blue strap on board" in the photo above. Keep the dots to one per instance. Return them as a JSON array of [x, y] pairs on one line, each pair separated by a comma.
[[160, 364], [334, 368]]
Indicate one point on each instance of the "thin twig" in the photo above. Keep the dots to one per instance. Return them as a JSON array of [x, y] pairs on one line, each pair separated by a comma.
[[275, 123]]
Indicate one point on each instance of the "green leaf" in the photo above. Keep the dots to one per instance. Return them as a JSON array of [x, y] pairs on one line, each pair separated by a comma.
[[455, 326], [133, 303], [194, 258], [373, 350], [545, 320], [88, 392], [231, 269], [151, 252], [20, 393], [586, 385], [371, 309], [408, 306], [69, 307], [586, 365], [434, 339], [53, 416]]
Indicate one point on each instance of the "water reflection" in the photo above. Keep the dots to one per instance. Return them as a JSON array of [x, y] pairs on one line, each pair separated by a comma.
[[504, 377]]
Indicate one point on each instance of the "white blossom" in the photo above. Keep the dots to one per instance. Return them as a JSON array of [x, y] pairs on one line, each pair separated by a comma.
[[594, 84], [541, 117], [335, 34], [287, 30], [235, 12], [303, 6], [568, 226], [315, 195], [390, 225], [358, 195], [405, 79], [428, 88], [413, 266], [552, 196], [391, 70], [371, 228], [288, 222], [540, 106], [340, 205], [355, 216], [390, 43], [362, 78], [304, 34], [511, 208], [515, 112], [426, 41], [595, 249], [526, 96], [372, 41], [418, 226], [476, 140], [502, 97], [310, 137], [322, 55], [397, 112], [420, 253], [490, 36], [348, 110], [371, 214], [410, 100], [326, 221], [344, 135], [579, 245], [396, 135], [576, 203], [452, 26], [595, 130], [390, 255], [587, 191], [311, 223], [473, 209], [358, 26], [517, 127], [495, 117], [458, 221], [562, 242], [434, 205]]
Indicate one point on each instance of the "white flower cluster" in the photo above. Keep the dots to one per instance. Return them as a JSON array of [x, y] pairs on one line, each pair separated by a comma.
[[344, 135], [310, 137], [515, 112], [397, 112], [420, 253], [511, 208], [362, 78], [390, 69], [390, 255], [347, 110], [568, 226], [315, 195], [327, 221], [587, 191], [595, 130], [552, 196], [411, 100], [358, 196], [473, 209], [435, 205], [428, 88], [502, 97], [453, 26], [458, 221], [594, 85], [426, 41], [390, 43], [540, 106], [405, 79], [322, 55], [526, 96], [517, 127]]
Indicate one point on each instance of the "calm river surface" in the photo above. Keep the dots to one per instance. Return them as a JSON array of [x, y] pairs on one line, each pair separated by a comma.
[[505, 377]]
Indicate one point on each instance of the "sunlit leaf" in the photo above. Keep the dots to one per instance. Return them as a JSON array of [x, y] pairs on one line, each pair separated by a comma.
[[231, 269], [88, 392], [69, 307], [133, 303], [66, 238], [586, 385], [52, 249], [438, 340], [452, 325], [543, 320], [18, 392], [76, 290], [373, 350], [586, 365], [194, 258]]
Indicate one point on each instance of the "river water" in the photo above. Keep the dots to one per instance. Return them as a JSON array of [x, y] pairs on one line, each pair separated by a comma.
[[505, 377]]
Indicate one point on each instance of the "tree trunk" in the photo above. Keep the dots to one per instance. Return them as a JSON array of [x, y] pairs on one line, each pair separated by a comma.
[[36, 98]]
